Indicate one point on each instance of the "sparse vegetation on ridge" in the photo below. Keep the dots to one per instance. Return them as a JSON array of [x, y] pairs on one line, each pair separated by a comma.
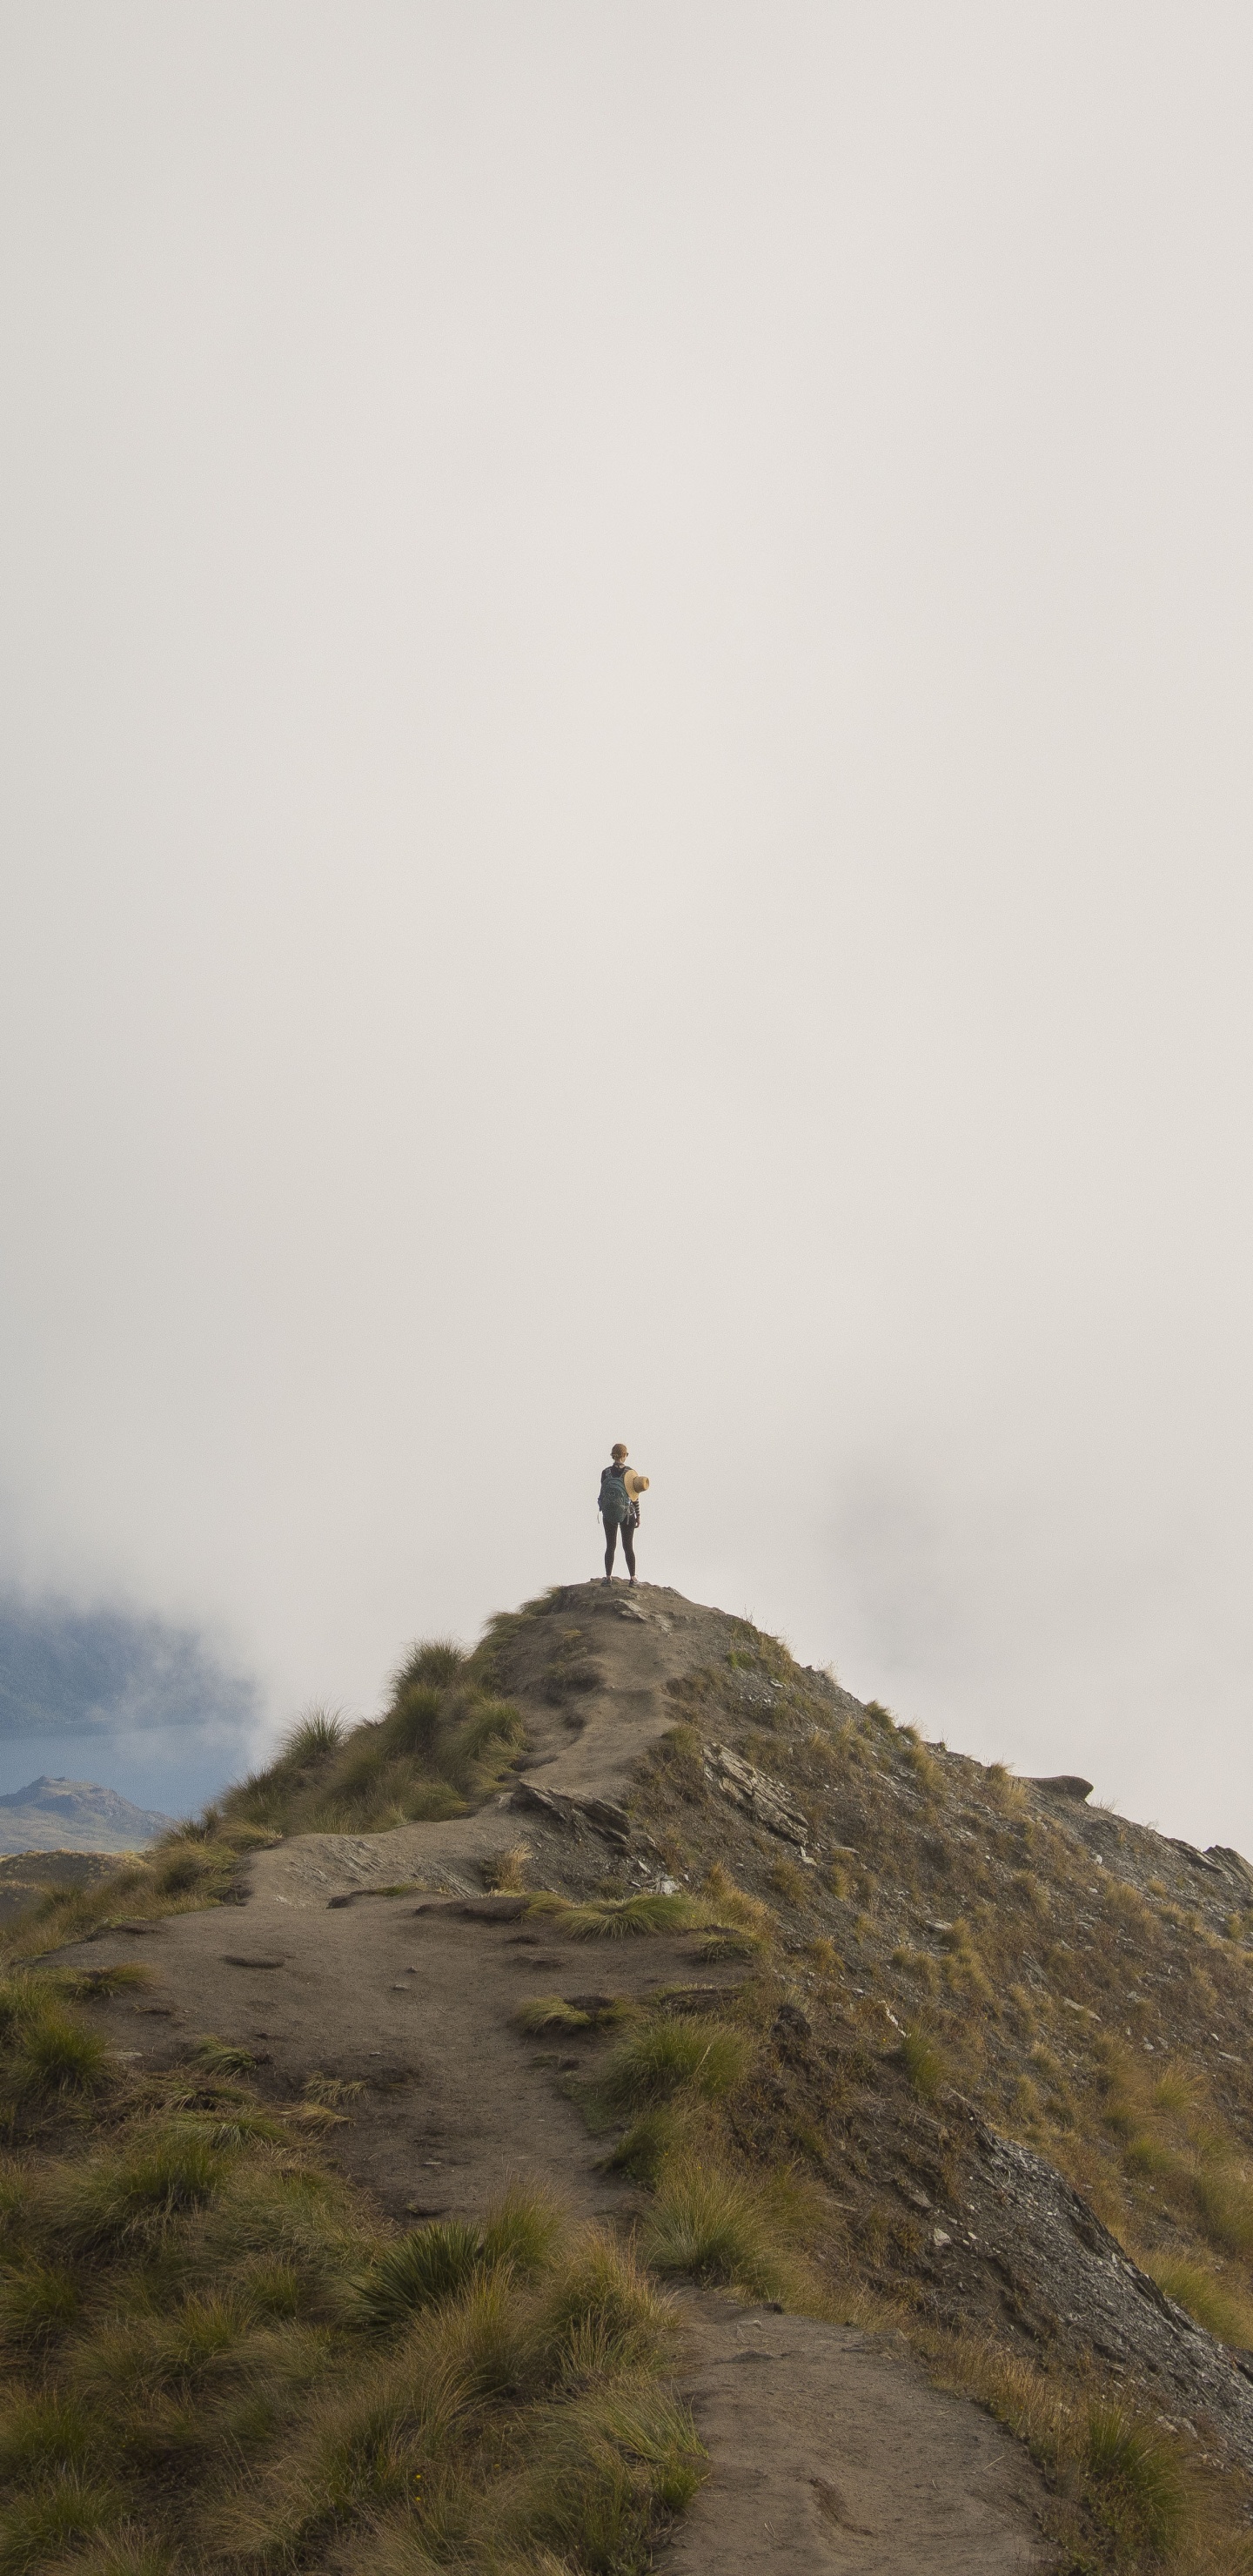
[[951, 1947], [952, 1912], [963, 1952], [442, 1746]]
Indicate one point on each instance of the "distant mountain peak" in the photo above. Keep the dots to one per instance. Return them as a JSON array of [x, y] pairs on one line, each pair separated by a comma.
[[75, 1815]]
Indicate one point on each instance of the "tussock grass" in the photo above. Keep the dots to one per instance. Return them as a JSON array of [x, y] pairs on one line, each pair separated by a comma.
[[359, 2448], [441, 1748], [716, 2225], [107, 2201], [55, 2517], [789, 1882], [196, 1865], [643, 2148], [618, 1918], [430, 2265], [521, 2232], [48, 2055], [733, 1924], [215, 2359], [601, 2471], [678, 1754], [223, 2057], [1185, 2160], [38, 2301], [601, 2315], [504, 1873], [551, 2012], [924, 2061], [655, 2061], [330, 2090], [1223, 2308], [441, 2262], [55, 2058], [1224, 2199], [126, 2552], [734, 1907], [1035, 1958], [589, 2453], [1138, 2475]]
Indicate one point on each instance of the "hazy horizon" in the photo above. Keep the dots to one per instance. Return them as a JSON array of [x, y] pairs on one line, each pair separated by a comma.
[[626, 812]]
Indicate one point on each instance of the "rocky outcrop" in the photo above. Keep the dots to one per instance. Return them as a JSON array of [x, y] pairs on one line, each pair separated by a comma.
[[604, 1815], [766, 1800], [1061, 2271]]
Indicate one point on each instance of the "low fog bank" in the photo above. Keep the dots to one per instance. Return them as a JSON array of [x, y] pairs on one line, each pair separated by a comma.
[[128, 1700], [626, 637]]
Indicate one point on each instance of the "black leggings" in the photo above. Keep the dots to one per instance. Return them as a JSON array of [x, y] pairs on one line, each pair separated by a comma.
[[612, 1529]]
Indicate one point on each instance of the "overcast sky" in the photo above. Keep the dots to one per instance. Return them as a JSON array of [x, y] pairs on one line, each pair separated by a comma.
[[625, 805]]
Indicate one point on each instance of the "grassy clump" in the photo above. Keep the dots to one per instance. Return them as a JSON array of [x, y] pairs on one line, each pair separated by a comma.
[[1137, 2477], [504, 1872], [717, 2225], [600, 2473], [428, 2267], [47, 2054], [1182, 2165], [195, 1865], [1224, 2199], [516, 2408], [643, 2148], [551, 2012], [726, 1917], [620, 1918], [438, 2263], [223, 2057], [924, 2061], [703, 2056], [600, 2315]]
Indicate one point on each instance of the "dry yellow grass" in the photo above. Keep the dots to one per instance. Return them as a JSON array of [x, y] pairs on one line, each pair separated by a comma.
[[219, 2360]]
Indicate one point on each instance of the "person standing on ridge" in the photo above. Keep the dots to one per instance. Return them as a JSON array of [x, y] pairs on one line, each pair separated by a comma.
[[618, 1505]]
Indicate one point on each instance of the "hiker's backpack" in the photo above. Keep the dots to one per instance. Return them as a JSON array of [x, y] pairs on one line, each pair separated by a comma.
[[614, 1503]]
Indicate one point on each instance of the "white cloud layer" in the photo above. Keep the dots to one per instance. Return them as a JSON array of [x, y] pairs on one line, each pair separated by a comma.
[[626, 802]]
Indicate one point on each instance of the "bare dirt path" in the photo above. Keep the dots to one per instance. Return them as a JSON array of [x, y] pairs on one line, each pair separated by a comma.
[[830, 2452], [417, 2006], [833, 2454]]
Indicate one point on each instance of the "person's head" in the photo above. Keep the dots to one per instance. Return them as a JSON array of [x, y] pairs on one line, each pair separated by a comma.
[[619, 1449]]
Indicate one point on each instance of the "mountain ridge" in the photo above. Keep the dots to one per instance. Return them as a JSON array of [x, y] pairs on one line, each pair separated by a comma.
[[951, 2060], [57, 1814]]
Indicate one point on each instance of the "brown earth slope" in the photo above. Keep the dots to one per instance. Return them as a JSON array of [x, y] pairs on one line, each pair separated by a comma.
[[998, 2042]]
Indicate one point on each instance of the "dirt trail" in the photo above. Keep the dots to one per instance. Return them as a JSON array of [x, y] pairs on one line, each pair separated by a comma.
[[583, 1746], [832, 2454], [415, 1998], [419, 2007]]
